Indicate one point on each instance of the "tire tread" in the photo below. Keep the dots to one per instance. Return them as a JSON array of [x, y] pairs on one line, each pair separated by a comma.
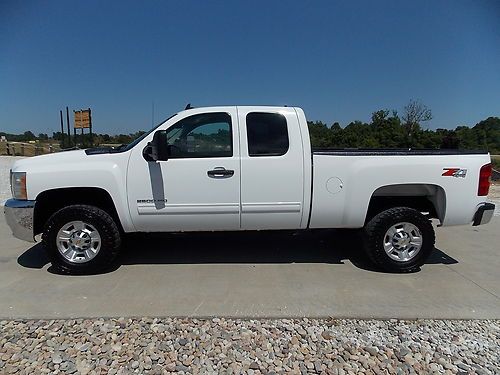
[[376, 228], [110, 235]]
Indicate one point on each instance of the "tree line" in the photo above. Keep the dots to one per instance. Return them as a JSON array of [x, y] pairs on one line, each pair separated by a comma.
[[387, 129], [79, 139]]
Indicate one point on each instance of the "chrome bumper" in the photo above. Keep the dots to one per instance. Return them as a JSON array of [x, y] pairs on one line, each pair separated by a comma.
[[483, 214], [19, 216]]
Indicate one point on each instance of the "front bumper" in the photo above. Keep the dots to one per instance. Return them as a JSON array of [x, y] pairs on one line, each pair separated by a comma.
[[19, 216], [483, 214]]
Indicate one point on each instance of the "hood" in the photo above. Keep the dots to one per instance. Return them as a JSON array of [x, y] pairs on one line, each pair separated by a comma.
[[23, 165], [43, 162]]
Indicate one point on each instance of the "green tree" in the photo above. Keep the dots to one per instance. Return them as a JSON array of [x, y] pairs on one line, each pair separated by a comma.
[[387, 129], [488, 134], [320, 134], [28, 136]]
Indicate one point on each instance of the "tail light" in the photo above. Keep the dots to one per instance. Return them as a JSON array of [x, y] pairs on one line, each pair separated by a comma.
[[484, 180]]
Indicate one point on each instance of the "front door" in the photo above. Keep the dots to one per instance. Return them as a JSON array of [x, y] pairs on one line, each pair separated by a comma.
[[198, 187]]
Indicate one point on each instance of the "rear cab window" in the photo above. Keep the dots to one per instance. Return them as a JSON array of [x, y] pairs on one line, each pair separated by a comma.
[[267, 134]]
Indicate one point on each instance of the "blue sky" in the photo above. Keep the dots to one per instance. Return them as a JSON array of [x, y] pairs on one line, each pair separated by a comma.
[[339, 60]]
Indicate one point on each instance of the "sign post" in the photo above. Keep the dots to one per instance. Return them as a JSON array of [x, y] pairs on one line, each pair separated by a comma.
[[67, 122], [90, 128], [62, 130]]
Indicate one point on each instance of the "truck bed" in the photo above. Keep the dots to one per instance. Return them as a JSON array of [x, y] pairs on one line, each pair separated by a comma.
[[345, 183]]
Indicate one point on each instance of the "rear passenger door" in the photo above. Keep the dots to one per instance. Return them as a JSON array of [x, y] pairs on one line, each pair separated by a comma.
[[272, 168]]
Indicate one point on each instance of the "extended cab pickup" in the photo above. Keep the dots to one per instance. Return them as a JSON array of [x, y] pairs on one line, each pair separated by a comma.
[[243, 168]]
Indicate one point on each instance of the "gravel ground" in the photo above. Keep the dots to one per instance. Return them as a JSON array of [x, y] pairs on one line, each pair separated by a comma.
[[226, 346]]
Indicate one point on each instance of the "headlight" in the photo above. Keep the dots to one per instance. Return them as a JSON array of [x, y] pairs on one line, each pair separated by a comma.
[[18, 185]]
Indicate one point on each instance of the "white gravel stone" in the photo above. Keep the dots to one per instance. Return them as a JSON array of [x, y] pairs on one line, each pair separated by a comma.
[[198, 346]]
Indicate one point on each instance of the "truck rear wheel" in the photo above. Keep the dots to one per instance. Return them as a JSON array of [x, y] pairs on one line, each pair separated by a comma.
[[81, 239], [399, 239]]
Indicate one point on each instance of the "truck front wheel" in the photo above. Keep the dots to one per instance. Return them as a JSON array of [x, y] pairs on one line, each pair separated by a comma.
[[399, 239], [81, 239]]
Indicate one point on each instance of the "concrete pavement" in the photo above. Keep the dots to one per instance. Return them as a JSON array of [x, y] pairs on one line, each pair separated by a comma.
[[313, 274]]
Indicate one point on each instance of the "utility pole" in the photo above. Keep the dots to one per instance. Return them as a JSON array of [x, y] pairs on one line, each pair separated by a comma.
[[62, 129], [90, 128], [69, 132]]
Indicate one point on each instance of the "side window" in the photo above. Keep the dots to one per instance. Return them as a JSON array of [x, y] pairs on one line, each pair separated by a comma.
[[267, 134], [206, 135]]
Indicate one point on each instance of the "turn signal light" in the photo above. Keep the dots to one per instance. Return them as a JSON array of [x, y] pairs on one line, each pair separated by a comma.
[[18, 185], [484, 180]]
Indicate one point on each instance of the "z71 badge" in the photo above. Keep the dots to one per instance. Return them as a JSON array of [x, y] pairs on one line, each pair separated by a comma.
[[454, 172]]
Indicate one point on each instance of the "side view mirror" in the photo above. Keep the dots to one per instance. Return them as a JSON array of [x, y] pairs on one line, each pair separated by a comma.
[[157, 148], [148, 154]]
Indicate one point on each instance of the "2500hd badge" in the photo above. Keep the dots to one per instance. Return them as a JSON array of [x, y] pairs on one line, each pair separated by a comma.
[[151, 201]]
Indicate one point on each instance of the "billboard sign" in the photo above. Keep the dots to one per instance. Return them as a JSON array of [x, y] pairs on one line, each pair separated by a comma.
[[82, 119]]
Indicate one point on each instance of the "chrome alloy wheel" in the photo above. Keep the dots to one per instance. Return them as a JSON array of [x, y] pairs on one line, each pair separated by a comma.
[[78, 242], [402, 241]]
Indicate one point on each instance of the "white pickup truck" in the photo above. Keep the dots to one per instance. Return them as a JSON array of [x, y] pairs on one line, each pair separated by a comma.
[[243, 168]]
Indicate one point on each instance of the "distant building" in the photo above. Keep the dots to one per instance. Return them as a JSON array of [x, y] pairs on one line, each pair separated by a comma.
[[3, 139]]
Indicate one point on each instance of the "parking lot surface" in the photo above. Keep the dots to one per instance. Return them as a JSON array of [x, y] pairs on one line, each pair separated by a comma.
[[313, 274]]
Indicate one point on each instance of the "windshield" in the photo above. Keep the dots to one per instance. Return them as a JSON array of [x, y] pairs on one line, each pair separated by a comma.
[[136, 141]]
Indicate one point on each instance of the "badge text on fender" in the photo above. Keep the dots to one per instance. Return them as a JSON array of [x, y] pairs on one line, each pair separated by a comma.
[[454, 172]]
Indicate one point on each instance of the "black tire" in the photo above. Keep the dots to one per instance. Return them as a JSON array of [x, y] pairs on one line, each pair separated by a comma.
[[101, 221], [375, 231]]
